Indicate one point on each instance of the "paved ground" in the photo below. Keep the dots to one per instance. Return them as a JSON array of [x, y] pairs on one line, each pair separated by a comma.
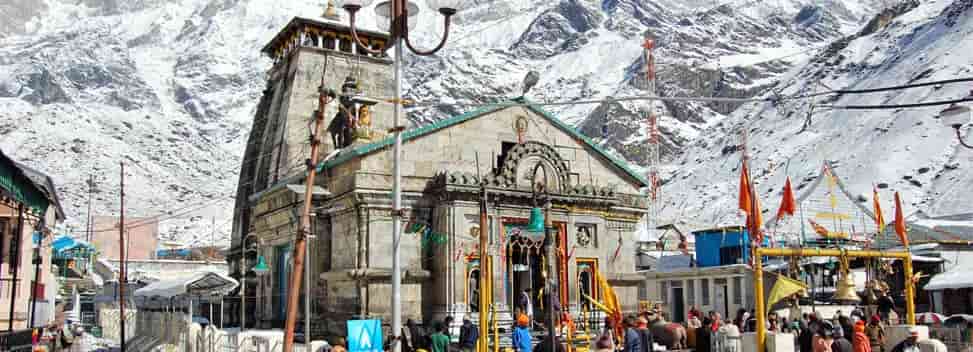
[[89, 343]]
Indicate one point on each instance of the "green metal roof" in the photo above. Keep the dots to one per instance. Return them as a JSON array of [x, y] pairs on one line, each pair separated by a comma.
[[369, 148], [17, 185]]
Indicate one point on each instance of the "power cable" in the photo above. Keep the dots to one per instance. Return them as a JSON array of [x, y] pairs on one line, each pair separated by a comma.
[[593, 101], [883, 89], [898, 106]]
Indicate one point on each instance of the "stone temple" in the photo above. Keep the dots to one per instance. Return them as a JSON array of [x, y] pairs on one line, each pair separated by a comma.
[[595, 198]]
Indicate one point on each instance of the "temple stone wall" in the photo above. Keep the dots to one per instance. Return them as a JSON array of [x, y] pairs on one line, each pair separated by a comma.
[[455, 149], [298, 99]]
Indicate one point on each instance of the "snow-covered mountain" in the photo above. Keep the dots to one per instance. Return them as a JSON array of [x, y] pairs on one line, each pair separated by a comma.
[[170, 87], [904, 150]]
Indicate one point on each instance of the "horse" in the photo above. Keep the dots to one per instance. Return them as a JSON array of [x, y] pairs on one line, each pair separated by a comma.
[[671, 335]]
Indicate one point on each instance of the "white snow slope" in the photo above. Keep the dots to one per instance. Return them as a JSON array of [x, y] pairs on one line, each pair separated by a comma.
[[904, 150]]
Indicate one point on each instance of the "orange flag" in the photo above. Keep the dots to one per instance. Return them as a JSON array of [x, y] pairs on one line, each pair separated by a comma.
[[900, 222], [787, 205], [879, 218], [745, 190], [750, 204]]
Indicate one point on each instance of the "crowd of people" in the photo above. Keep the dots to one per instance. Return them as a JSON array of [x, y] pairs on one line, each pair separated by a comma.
[[704, 333]]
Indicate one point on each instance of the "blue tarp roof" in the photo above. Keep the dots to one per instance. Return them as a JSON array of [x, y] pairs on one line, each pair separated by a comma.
[[65, 243]]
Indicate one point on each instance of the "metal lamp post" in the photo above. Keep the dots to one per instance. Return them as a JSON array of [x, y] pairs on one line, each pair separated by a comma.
[[398, 13], [259, 269], [550, 284], [957, 116]]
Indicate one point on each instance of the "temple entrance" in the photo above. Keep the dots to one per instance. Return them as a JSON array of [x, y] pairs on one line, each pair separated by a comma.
[[525, 269]]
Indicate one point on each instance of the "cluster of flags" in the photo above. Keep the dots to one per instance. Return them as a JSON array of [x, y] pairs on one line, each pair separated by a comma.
[[749, 204]]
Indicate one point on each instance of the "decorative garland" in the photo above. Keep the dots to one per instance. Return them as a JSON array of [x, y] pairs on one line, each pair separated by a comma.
[[426, 233]]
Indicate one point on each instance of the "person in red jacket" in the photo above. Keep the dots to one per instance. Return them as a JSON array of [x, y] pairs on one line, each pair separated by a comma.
[[860, 342]]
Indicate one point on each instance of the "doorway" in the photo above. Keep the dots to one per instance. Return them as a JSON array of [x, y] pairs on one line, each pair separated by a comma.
[[722, 302], [524, 267], [678, 305]]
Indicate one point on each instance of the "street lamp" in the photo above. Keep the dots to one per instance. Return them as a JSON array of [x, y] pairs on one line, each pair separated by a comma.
[[550, 284], [400, 15], [258, 269], [956, 116]]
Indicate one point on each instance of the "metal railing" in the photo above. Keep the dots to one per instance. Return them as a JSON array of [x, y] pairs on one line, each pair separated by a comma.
[[19, 340], [952, 337]]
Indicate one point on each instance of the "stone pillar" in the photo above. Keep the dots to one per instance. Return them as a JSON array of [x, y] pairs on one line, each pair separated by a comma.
[[780, 342]]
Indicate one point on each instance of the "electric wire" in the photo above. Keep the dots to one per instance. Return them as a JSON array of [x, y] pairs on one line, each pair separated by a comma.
[[883, 89], [898, 106]]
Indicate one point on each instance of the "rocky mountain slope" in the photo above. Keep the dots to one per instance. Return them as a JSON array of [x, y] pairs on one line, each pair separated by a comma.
[[904, 150], [170, 87]]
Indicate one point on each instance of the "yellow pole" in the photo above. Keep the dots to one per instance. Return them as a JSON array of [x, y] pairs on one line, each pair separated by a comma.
[[905, 256], [484, 276], [910, 291], [819, 252], [758, 285]]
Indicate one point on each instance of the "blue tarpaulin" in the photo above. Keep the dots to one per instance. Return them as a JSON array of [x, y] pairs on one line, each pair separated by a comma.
[[168, 253], [64, 245]]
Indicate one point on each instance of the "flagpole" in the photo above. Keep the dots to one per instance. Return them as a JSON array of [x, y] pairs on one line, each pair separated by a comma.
[[754, 232]]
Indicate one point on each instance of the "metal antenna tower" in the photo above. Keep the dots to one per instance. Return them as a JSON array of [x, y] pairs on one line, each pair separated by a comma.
[[652, 126]]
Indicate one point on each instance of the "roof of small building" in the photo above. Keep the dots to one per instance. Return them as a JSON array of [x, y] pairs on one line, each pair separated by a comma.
[[39, 181], [365, 149]]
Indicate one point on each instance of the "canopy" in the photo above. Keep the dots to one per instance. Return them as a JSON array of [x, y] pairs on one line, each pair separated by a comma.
[[957, 273], [201, 284]]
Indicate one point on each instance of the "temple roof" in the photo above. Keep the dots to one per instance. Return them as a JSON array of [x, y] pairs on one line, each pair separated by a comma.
[[365, 149], [299, 22]]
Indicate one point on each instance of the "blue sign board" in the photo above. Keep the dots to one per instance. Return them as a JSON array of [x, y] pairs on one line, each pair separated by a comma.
[[365, 335]]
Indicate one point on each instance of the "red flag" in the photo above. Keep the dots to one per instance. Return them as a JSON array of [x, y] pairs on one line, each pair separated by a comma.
[[879, 218], [900, 221], [787, 205]]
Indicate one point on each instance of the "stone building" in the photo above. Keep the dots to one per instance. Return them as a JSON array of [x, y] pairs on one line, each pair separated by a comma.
[[595, 198]]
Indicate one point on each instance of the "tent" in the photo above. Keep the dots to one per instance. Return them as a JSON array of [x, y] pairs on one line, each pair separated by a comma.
[[199, 284]]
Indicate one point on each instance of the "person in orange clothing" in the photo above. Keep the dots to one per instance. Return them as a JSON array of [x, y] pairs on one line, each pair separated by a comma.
[[860, 342]]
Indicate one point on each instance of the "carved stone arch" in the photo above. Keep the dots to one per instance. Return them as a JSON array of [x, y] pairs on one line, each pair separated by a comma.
[[521, 160]]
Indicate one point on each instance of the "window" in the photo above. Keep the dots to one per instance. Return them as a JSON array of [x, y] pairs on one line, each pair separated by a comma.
[[737, 290], [504, 149], [664, 291], [704, 288], [10, 242], [691, 292], [4, 240], [731, 255], [473, 285]]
